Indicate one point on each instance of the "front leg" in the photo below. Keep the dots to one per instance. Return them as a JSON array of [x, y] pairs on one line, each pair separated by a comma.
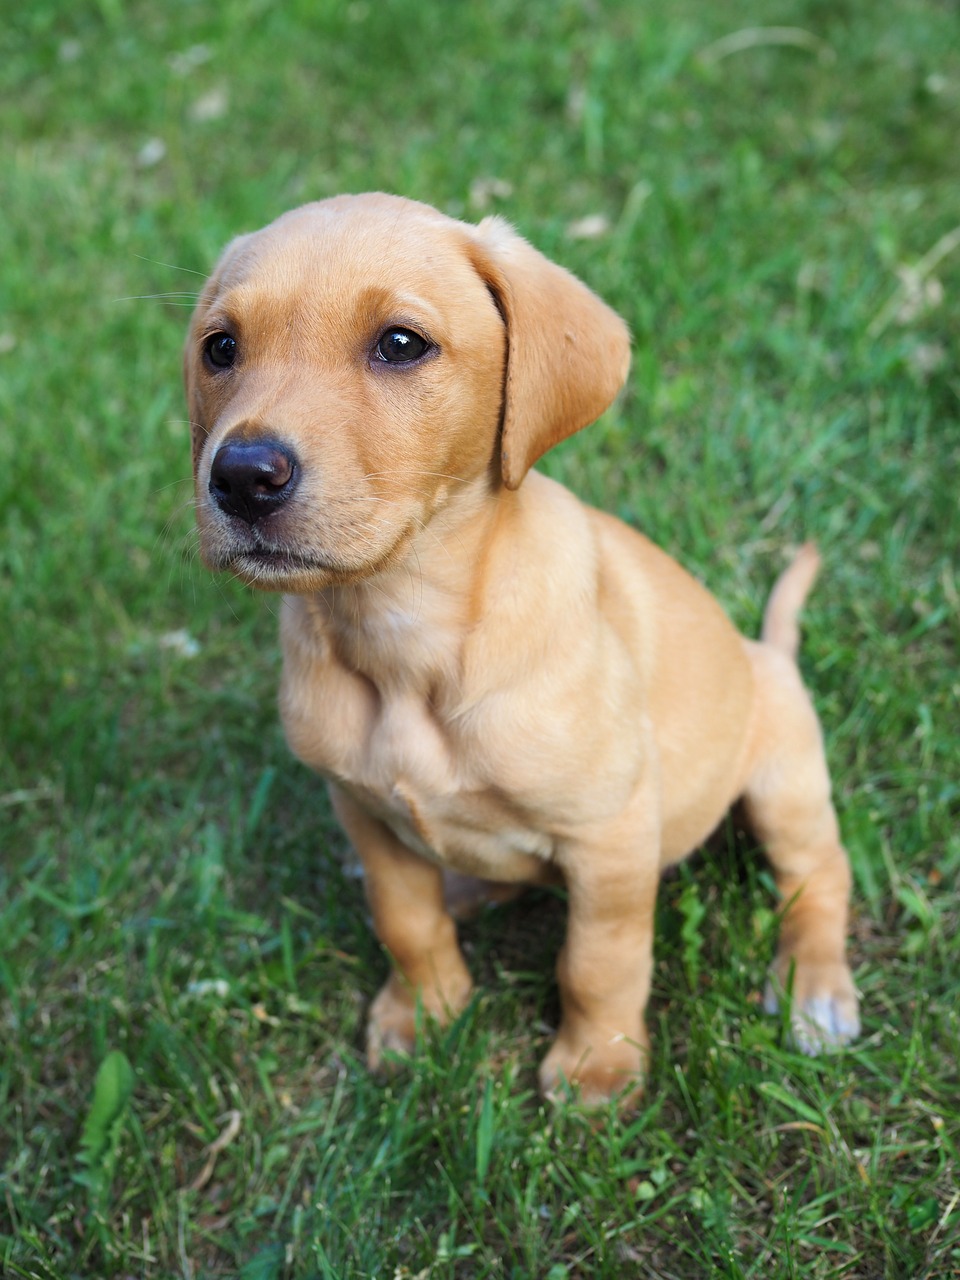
[[604, 968], [410, 918]]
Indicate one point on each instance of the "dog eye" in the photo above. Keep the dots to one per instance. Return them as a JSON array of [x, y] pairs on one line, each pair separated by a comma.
[[220, 350], [400, 346]]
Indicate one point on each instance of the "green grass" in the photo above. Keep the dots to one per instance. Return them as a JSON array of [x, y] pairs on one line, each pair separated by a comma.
[[171, 886]]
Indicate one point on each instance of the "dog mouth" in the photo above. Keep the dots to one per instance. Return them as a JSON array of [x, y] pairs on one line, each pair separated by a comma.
[[259, 564], [277, 567]]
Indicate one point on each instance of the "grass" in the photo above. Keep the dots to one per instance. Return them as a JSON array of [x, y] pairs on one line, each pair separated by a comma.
[[777, 232]]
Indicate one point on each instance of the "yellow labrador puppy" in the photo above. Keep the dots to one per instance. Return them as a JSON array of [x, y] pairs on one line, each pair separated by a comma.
[[496, 680]]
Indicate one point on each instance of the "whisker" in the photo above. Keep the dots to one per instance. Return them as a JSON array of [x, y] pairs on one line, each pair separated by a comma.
[[422, 525], [166, 297], [223, 595], [416, 616], [170, 266], [164, 532], [413, 471], [173, 484]]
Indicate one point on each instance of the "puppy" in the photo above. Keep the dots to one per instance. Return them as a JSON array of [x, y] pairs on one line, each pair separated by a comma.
[[495, 679]]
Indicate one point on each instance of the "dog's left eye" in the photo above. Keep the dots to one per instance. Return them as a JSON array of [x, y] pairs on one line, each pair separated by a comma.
[[400, 346]]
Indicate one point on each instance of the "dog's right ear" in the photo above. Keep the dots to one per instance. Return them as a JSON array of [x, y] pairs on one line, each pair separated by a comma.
[[198, 429], [193, 400], [567, 352]]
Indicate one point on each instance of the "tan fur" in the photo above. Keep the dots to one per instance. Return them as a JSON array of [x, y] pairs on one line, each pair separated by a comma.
[[497, 680]]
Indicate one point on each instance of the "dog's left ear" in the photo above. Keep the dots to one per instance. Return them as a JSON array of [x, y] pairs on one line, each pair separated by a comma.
[[567, 352]]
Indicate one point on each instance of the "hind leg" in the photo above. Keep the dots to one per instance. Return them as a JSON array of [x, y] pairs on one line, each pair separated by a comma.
[[787, 798]]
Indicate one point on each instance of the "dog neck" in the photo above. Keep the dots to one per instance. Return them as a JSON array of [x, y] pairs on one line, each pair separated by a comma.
[[404, 627]]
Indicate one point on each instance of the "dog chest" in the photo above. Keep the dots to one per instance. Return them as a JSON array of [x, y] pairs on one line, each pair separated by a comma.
[[472, 832], [391, 754]]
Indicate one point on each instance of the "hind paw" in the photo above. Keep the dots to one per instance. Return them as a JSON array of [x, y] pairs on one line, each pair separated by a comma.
[[824, 1009]]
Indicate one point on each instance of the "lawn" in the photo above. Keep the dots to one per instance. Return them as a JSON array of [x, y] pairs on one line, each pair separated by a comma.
[[184, 964]]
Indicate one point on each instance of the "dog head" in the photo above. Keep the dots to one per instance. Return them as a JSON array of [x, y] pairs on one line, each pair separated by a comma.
[[355, 365]]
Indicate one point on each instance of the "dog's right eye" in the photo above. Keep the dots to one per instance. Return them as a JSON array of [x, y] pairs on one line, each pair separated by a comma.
[[220, 350]]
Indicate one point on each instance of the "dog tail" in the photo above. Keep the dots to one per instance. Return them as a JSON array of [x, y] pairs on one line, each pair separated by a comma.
[[780, 627]]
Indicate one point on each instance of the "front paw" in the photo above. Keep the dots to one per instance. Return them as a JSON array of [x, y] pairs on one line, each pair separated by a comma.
[[391, 1026], [594, 1071], [824, 1009], [394, 1017]]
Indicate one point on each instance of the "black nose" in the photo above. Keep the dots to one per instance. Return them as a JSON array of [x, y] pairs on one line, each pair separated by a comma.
[[252, 478]]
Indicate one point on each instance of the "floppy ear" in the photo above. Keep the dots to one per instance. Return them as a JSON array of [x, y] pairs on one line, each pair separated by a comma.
[[198, 429], [193, 403], [567, 352]]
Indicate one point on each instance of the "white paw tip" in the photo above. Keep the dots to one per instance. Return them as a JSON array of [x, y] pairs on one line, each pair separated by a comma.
[[824, 1023], [819, 1024]]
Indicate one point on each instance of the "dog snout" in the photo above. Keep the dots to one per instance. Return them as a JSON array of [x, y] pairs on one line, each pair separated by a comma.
[[253, 478]]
